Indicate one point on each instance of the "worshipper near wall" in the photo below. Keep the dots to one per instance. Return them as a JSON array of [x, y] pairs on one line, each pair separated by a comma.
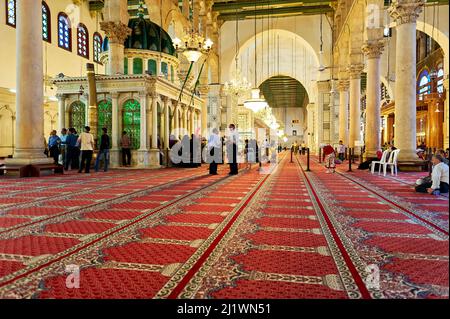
[[72, 150], [232, 147], [125, 143], [86, 141], [341, 150], [214, 148], [103, 151], [439, 178], [53, 146], [329, 154], [366, 163]]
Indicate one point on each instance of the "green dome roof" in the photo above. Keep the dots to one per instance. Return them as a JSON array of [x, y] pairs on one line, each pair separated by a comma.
[[146, 35]]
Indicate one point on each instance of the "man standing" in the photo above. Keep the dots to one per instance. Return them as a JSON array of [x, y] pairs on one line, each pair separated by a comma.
[[53, 145], [103, 151], [71, 150], [125, 142], [232, 147], [64, 146], [341, 150], [214, 151], [86, 141]]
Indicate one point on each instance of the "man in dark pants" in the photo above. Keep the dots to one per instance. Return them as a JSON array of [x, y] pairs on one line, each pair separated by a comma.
[[125, 142], [103, 151], [72, 150], [53, 145], [232, 143], [214, 151], [86, 141]]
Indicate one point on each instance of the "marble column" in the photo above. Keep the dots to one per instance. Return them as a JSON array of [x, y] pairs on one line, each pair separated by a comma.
[[405, 14], [154, 151], [355, 104], [61, 112], [373, 50], [166, 122], [177, 120], [114, 152], [117, 33], [142, 153], [343, 111], [29, 137], [185, 125], [191, 121], [446, 114]]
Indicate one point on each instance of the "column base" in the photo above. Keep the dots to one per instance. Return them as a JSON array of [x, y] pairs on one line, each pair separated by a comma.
[[142, 159], [153, 158], [370, 155], [408, 156], [114, 158], [28, 157]]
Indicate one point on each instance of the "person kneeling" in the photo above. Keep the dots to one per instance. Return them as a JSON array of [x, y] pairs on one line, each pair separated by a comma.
[[439, 178]]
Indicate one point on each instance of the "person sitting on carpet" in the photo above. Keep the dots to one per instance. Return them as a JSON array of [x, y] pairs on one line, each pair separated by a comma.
[[439, 178]]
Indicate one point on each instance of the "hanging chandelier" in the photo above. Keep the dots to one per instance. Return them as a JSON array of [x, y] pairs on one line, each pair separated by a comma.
[[256, 102], [193, 45], [238, 85]]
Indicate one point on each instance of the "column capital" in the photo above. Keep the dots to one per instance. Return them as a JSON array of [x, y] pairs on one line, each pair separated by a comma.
[[355, 71], [175, 103], [343, 85], [116, 32], [406, 11], [373, 48], [61, 96], [114, 95]]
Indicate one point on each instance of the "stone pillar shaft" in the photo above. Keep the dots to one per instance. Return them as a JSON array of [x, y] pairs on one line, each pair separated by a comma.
[[166, 123], [143, 124], [29, 143], [154, 123], [61, 112], [355, 105], [343, 111]]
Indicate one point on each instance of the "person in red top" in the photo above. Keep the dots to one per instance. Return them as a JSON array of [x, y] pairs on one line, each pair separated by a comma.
[[330, 155]]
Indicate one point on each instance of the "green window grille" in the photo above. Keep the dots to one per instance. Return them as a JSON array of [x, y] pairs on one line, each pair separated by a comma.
[[172, 75], [132, 121], [77, 118], [151, 67], [104, 119], [165, 69], [125, 66], [137, 66]]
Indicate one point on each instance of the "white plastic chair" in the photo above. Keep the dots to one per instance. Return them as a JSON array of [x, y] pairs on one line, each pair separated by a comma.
[[380, 162], [392, 163]]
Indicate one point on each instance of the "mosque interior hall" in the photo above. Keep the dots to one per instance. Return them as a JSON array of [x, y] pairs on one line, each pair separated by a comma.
[[224, 149]]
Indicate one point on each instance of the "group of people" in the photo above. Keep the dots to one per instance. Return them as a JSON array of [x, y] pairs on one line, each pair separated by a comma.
[[69, 146], [296, 148]]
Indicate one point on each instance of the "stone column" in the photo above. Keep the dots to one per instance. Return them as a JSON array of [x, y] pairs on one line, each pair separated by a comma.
[[373, 51], [343, 111], [186, 130], [355, 104], [446, 114], [148, 122], [166, 122], [114, 152], [117, 33], [405, 14], [177, 119], [142, 153], [154, 152], [29, 137], [61, 112], [191, 121]]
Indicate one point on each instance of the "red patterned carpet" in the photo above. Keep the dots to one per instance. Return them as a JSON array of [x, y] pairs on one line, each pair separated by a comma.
[[180, 233]]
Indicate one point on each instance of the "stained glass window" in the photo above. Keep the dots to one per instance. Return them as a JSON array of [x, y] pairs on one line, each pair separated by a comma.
[[97, 46], [152, 67], [64, 32], [82, 41], [104, 118], [137, 66], [423, 88], [11, 12], [78, 116], [132, 121], [46, 31], [440, 82]]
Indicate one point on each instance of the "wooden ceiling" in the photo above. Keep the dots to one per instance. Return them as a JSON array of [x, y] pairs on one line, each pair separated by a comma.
[[283, 91], [248, 9]]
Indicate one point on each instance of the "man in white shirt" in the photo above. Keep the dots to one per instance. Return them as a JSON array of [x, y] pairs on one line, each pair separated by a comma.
[[86, 141], [232, 148], [214, 151], [439, 178], [341, 150]]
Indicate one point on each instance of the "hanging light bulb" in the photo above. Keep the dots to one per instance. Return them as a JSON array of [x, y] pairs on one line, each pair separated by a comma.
[[255, 103]]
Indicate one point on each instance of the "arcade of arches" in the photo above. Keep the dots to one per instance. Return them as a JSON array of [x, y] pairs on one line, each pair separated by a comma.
[[368, 79]]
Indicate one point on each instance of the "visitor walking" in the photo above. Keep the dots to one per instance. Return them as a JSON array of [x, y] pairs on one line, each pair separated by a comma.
[[341, 151], [125, 142], [103, 152], [330, 156], [86, 141]]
